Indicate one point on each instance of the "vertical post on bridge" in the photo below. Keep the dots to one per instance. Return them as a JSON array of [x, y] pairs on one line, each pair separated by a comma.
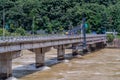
[[84, 34]]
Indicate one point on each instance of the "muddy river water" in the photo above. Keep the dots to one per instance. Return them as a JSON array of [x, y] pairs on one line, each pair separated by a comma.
[[100, 65]]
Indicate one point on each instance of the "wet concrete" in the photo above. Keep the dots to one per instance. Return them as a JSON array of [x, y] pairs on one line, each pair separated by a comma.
[[99, 65]]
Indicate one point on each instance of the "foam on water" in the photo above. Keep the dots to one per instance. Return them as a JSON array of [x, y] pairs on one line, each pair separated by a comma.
[[44, 68], [12, 78], [72, 72], [97, 73], [62, 79], [79, 56], [60, 73], [117, 73], [17, 67], [118, 59], [30, 67], [66, 61]]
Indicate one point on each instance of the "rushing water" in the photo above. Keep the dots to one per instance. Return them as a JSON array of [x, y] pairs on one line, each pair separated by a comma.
[[100, 65]]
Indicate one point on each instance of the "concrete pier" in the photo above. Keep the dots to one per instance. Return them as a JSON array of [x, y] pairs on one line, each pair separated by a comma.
[[100, 45], [5, 66], [60, 52], [39, 57], [103, 44], [75, 49], [89, 48], [93, 47]]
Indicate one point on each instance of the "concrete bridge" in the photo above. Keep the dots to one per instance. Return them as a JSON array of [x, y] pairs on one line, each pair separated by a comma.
[[10, 48]]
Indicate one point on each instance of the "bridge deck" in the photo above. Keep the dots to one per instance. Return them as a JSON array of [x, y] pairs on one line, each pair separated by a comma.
[[9, 44]]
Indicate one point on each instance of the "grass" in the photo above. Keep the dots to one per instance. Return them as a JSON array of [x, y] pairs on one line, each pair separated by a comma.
[[118, 36]]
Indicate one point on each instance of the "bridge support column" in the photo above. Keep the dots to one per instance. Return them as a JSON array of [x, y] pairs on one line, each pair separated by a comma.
[[75, 49], [98, 46], [39, 55], [93, 47], [103, 45], [5, 65], [89, 48], [60, 52], [85, 50]]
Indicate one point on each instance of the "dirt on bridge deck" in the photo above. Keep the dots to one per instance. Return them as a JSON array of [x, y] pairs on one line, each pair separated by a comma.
[[100, 65]]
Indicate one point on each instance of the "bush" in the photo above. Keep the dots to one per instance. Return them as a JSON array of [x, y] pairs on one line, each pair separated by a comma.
[[20, 31], [15, 34], [6, 33], [110, 38]]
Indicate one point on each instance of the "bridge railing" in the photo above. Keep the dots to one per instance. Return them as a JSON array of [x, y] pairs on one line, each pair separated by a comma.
[[46, 37]]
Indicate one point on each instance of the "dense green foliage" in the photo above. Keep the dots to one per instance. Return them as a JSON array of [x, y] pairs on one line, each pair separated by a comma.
[[110, 38], [20, 31], [59, 15], [4, 31]]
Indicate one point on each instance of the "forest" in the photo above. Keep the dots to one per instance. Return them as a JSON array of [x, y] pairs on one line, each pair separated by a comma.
[[19, 17]]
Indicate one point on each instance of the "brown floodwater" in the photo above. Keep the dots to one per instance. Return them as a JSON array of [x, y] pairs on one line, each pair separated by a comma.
[[100, 65]]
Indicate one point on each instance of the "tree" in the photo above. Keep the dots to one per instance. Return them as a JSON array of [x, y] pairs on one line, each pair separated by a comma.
[[114, 11], [53, 15]]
